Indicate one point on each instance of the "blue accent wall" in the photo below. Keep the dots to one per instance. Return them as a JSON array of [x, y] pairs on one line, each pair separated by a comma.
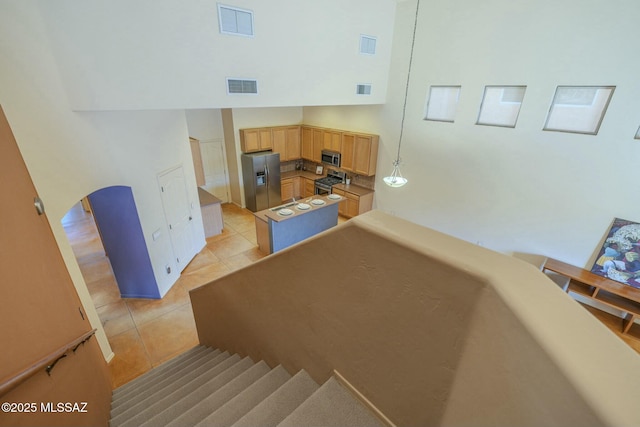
[[293, 230], [114, 210]]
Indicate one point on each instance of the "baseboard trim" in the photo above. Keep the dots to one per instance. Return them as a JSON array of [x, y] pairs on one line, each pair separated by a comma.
[[382, 417]]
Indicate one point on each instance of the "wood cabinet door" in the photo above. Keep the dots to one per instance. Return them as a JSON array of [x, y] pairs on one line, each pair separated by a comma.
[[266, 142], [297, 190], [352, 204], [318, 145], [279, 142], [342, 205], [249, 140], [307, 143], [331, 140], [286, 189], [293, 143], [309, 187], [348, 143], [361, 154]]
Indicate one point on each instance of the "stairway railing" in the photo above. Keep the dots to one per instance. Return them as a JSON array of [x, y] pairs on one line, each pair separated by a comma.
[[47, 363]]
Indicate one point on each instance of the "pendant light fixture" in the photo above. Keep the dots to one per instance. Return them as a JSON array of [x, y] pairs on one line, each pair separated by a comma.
[[396, 179]]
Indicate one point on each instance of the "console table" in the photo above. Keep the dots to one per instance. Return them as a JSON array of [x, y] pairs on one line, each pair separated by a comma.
[[606, 291]]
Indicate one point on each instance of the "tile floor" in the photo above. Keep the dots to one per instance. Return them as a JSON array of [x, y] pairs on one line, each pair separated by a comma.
[[144, 333]]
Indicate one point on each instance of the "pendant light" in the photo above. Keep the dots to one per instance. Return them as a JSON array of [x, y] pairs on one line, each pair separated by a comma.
[[396, 179]]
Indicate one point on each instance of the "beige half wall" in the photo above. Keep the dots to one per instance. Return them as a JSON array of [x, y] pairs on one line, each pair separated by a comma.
[[431, 329]]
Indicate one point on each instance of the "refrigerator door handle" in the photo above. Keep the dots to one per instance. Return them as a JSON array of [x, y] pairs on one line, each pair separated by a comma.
[[266, 174]]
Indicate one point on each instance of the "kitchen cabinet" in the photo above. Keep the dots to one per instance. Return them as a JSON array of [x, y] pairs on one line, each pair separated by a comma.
[[312, 143], [348, 144], [332, 140], [359, 153], [365, 154], [258, 139], [309, 187], [286, 141], [290, 188], [286, 189], [297, 190], [307, 143], [354, 204]]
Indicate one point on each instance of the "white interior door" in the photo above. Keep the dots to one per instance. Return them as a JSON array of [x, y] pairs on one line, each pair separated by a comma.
[[177, 210], [215, 168]]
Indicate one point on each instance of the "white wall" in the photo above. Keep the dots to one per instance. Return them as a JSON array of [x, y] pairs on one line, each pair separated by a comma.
[[519, 189], [205, 125], [169, 54], [70, 155]]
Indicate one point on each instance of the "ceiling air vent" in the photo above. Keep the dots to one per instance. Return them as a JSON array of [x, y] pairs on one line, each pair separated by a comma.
[[242, 86], [363, 89]]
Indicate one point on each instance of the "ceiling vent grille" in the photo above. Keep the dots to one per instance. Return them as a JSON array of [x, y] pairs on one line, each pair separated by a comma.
[[238, 86], [363, 89]]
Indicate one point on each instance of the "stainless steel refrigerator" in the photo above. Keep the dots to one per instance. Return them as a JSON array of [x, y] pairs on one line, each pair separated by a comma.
[[261, 175]]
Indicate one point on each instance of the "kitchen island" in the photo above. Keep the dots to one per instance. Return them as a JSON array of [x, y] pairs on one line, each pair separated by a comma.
[[282, 226]]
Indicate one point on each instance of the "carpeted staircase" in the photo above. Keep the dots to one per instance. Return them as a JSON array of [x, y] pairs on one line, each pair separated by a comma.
[[207, 387]]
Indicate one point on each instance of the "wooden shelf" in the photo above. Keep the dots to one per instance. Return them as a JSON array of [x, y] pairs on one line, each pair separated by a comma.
[[606, 291]]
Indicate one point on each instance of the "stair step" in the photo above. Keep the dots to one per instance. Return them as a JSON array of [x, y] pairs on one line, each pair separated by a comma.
[[331, 405], [184, 404], [277, 406], [185, 365], [159, 391], [214, 401], [235, 408], [158, 370]]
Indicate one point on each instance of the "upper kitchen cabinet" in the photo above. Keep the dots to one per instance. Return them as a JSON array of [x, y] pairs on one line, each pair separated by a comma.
[[259, 139], [312, 143], [286, 141], [332, 140], [360, 153]]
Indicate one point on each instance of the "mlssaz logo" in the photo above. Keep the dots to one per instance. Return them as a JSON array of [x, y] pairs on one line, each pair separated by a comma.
[[63, 407]]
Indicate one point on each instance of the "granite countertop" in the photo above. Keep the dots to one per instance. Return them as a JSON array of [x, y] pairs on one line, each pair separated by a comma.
[[207, 198], [275, 216], [355, 189]]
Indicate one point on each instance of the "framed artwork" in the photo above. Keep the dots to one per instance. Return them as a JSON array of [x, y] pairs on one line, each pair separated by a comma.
[[619, 257]]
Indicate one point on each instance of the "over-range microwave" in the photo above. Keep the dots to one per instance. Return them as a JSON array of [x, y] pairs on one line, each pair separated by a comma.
[[331, 158]]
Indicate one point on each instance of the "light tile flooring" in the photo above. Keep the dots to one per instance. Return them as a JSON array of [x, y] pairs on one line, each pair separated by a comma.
[[144, 333]]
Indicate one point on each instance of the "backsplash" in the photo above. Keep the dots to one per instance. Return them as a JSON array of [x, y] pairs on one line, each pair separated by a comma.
[[362, 181]]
